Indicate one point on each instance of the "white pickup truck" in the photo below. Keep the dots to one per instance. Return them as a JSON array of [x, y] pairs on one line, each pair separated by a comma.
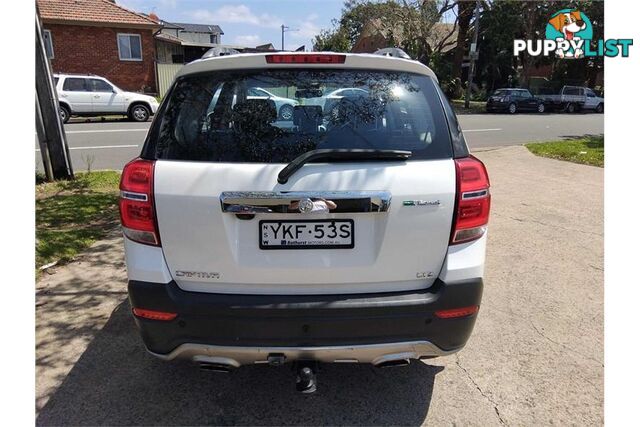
[[572, 99], [356, 236]]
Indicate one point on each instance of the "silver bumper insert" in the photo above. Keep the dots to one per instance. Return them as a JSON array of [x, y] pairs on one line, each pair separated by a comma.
[[372, 353]]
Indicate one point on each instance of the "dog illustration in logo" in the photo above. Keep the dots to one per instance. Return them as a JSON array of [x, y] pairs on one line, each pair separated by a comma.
[[569, 24]]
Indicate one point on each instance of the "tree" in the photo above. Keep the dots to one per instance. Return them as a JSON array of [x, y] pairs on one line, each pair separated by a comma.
[[346, 30], [465, 14], [408, 24]]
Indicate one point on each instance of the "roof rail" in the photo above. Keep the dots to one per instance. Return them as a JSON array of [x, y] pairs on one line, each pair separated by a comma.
[[219, 51], [396, 52]]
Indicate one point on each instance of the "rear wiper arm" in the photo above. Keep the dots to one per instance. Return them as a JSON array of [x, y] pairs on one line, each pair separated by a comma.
[[339, 154]]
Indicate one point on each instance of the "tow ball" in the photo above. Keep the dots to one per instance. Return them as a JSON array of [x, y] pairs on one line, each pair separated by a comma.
[[306, 377]]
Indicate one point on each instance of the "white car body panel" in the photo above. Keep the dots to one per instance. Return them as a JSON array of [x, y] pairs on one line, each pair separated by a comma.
[[464, 261], [145, 263], [189, 216]]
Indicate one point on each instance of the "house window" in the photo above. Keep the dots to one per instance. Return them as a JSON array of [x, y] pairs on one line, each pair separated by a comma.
[[48, 43], [130, 47], [213, 38]]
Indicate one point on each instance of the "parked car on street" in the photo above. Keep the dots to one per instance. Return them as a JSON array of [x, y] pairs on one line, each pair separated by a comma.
[[574, 98], [354, 238], [89, 95], [512, 101], [284, 106]]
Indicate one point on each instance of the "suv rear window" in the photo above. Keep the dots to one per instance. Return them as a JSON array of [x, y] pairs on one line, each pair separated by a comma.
[[273, 116]]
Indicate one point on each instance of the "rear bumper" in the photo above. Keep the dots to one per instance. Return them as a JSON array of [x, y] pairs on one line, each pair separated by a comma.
[[246, 329]]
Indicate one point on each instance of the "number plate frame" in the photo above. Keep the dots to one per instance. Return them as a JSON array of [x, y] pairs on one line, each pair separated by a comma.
[[351, 245]]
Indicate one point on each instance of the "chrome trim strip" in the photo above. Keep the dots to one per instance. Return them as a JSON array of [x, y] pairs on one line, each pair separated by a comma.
[[478, 194], [279, 202], [370, 353], [129, 195]]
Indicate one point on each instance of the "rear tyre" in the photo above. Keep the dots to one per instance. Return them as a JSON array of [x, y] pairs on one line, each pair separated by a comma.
[[571, 108], [139, 113], [541, 108], [512, 108], [600, 108], [65, 114], [286, 112]]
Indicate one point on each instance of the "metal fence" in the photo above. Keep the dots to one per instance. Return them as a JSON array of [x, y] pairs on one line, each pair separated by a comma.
[[165, 74]]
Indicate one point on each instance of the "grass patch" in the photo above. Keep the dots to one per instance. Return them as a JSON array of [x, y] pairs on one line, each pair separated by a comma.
[[475, 107], [71, 215], [587, 150]]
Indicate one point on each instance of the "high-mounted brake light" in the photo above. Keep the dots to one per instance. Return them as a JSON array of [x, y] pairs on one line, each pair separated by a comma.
[[457, 312], [137, 212], [154, 315], [306, 58], [473, 200]]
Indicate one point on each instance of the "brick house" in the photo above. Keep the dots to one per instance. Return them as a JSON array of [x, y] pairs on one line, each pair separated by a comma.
[[99, 37]]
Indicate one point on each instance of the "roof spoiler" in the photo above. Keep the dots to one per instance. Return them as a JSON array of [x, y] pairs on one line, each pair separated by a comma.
[[392, 51]]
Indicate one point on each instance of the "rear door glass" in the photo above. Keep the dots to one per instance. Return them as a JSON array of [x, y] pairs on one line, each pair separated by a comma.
[[73, 84], [273, 116]]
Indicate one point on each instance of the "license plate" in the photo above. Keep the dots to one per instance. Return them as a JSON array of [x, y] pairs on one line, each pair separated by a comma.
[[306, 234]]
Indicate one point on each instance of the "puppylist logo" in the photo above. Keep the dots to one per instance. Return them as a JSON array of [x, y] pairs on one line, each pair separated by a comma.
[[569, 34]]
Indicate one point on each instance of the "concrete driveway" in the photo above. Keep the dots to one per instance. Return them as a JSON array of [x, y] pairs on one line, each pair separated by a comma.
[[535, 357]]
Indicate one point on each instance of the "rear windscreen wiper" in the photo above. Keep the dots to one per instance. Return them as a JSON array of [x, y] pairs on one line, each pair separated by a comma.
[[339, 155]]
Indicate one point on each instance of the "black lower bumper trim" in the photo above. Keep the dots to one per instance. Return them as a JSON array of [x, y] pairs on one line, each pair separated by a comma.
[[304, 320]]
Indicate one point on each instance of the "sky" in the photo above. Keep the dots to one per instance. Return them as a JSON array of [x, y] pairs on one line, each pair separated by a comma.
[[249, 22]]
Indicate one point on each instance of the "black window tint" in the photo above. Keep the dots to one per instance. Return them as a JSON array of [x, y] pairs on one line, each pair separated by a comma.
[[74, 84], [100, 86], [208, 117], [571, 91]]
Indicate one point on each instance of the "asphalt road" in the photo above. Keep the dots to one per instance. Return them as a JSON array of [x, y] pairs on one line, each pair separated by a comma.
[[535, 356], [109, 145]]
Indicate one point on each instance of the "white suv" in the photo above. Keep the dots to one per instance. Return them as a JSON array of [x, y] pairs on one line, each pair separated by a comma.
[[89, 95], [356, 236]]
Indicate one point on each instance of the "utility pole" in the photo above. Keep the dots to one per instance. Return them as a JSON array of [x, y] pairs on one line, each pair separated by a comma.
[[285, 29], [473, 54], [51, 136]]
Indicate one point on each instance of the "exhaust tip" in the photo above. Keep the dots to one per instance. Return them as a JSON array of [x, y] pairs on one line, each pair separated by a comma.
[[215, 367], [393, 363]]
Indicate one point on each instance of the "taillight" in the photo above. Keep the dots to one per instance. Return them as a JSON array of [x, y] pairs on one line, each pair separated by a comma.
[[305, 58], [154, 315], [473, 200], [137, 212]]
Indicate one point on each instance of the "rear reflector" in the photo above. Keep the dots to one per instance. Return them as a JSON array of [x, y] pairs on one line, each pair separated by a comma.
[[137, 212], [306, 59], [154, 315], [457, 312], [473, 200]]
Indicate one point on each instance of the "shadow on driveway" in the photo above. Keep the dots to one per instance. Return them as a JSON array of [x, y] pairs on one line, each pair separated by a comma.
[[116, 382]]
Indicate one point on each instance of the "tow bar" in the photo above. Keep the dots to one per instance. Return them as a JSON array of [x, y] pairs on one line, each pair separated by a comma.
[[306, 377]]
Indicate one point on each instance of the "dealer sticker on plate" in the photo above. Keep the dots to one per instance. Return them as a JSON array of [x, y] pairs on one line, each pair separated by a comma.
[[307, 234]]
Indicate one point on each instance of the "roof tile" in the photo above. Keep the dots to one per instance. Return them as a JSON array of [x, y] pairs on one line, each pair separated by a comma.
[[95, 11]]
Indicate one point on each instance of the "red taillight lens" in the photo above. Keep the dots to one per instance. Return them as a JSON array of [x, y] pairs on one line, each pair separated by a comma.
[[306, 59], [154, 315], [473, 200], [457, 312], [137, 212]]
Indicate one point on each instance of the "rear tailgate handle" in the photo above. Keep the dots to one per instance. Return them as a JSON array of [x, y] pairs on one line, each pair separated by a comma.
[[296, 202]]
